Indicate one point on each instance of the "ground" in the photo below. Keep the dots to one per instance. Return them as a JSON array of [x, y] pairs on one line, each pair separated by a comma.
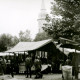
[[22, 77]]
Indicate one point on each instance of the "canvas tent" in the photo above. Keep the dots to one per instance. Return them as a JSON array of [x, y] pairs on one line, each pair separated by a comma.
[[68, 46], [74, 50], [66, 51], [46, 50], [43, 48], [29, 46]]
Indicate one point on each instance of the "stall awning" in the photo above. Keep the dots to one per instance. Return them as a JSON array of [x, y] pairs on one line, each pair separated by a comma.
[[5, 54], [66, 50], [67, 46], [29, 46]]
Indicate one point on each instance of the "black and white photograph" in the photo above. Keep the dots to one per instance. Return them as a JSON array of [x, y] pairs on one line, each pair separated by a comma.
[[39, 39]]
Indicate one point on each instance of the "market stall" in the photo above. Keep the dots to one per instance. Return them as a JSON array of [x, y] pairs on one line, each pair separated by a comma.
[[42, 49], [72, 50]]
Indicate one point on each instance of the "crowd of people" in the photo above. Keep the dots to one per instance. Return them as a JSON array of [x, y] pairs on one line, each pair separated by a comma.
[[29, 62], [11, 66], [6, 68]]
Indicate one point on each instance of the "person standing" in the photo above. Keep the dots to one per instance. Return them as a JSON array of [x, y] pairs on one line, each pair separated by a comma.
[[12, 67], [1, 69], [28, 64], [3, 63], [37, 64], [68, 62]]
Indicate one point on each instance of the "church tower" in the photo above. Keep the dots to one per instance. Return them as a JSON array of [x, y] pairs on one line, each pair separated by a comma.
[[41, 17]]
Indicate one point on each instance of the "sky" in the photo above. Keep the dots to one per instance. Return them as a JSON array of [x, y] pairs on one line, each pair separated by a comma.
[[17, 15]]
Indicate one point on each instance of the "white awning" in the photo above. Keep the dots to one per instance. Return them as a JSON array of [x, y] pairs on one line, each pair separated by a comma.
[[6, 54], [66, 50], [28, 46]]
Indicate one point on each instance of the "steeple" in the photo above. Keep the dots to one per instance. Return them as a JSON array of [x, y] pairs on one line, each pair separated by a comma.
[[43, 12], [43, 5], [41, 17]]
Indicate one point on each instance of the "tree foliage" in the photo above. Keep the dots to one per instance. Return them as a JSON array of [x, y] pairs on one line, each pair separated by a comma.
[[68, 25], [41, 36], [24, 36], [5, 41], [15, 40]]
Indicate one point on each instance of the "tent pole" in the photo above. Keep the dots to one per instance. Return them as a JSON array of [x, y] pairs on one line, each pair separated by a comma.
[[75, 49], [41, 54], [24, 55], [44, 54], [63, 53], [9, 55]]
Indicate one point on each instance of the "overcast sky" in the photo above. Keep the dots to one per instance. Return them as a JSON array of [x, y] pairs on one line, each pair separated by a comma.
[[16, 15]]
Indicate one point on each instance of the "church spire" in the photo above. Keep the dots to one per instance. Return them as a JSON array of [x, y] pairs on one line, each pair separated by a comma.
[[42, 16], [42, 5]]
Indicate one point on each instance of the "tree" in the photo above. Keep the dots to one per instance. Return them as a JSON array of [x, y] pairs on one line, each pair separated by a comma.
[[15, 40], [67, 26], [5, 42], [24, 36], [41, 36]]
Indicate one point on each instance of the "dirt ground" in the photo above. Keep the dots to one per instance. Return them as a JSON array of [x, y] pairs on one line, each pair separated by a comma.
[[22, 77]]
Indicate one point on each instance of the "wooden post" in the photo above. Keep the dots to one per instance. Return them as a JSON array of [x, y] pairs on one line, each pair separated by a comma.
[[75, 49], [63, 53], [44, 54], [24, 56], [41, 54]]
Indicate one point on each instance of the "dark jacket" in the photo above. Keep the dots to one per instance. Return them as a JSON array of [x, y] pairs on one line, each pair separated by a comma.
[[28, 62], [37, 64]]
